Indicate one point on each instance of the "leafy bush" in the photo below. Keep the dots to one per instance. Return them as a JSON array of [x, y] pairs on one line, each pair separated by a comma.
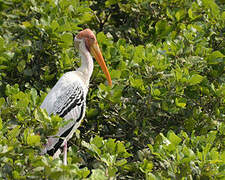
[[162, 119]]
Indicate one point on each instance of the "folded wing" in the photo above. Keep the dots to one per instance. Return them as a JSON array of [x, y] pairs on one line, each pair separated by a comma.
[[68, 101]]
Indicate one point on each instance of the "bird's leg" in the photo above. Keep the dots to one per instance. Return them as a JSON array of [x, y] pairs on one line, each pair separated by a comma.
[[65, 153]]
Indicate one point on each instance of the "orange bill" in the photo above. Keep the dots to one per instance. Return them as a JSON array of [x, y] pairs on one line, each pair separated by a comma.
[[95, 51]]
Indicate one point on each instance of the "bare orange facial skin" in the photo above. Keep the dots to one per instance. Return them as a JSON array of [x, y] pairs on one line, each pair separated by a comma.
[[88, 37], [93, 47]]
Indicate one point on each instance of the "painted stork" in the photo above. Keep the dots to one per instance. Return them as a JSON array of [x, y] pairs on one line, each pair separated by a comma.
[[68, 97]]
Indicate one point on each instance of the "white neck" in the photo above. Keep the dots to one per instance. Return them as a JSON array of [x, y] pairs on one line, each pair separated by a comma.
[[87, 65]]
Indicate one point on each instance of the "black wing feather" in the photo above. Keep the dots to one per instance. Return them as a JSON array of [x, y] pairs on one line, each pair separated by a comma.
[[73, 97]]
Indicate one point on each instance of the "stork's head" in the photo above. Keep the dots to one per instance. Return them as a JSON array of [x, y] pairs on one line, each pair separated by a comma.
[[88, 38]]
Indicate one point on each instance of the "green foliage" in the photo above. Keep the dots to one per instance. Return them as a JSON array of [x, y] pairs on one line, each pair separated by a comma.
[[182, 156], [164, 116], [110, 156]]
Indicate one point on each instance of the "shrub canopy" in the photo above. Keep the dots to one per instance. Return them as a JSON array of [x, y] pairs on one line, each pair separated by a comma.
[[164, 116]]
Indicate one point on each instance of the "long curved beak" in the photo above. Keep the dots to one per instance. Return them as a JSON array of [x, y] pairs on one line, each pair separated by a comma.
[[96, 52]]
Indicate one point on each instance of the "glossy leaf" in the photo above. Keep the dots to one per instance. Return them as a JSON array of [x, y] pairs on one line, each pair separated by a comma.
[[195, 79], [215, 58]]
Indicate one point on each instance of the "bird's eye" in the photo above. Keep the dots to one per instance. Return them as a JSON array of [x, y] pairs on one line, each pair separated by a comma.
[[92, 38]]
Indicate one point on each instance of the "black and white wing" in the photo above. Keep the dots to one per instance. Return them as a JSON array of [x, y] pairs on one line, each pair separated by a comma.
[[68, 101]]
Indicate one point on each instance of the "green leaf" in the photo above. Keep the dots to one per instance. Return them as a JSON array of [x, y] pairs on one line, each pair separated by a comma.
[[210, 4], [139, 54], [223, 15], [155, 92], [33, 140], [168, 13], [112, 171], [180, 14], [27, 24], [110, 146], [211, 136], [109, 3], [67, 40], [103, 39], [97, 141], [173, 138], [121, 162], [91, 113], [137, 83], [116, 94], [2, 101], [0, 123], [195, 79], [1, 43], [215, 57], [83, 172], [54, 25], [12, 89], [98, 174], [188, 152], [150, 176], [189, 155], [34, 95], [190, 13], [222, 128], [14, 133], [103, 87], [16, 175], [41, 115], [21, 100], [120, 148], [115, 74], [21, 66], [181, 102], [146, 166], [162, 28]]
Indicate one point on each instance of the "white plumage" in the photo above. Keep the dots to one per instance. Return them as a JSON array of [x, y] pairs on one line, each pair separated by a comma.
[[68, 91], [68, 97]]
